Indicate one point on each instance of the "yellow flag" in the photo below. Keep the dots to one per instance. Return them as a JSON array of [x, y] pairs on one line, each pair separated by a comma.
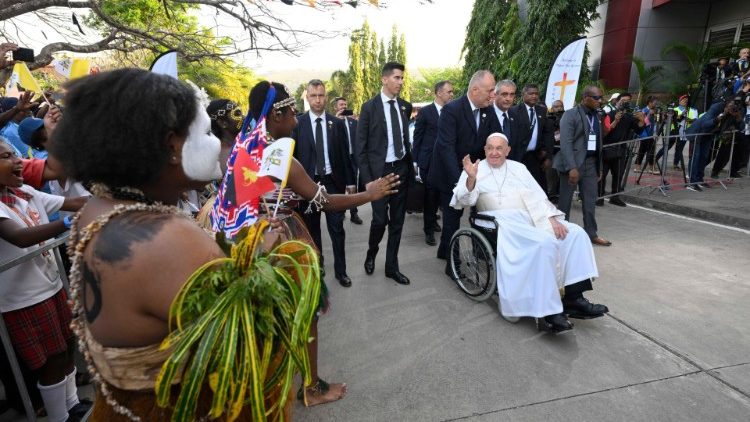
[[311, 3], [22, 76], [374, 2], [80, 67]]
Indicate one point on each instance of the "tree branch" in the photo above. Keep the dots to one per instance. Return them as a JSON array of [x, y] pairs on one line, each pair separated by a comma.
[[12, 8], [45, 55]]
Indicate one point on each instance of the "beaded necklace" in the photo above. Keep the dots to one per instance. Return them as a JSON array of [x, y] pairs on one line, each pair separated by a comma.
[[79, 240]]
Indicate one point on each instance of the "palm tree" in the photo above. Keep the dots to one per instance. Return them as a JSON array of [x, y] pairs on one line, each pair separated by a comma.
[[646, 77]]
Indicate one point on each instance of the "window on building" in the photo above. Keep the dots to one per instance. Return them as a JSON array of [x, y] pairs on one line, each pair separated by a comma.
[[745, 35], [722, 37]]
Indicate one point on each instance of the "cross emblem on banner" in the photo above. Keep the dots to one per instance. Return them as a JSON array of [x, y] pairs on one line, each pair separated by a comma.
[[562, 84]]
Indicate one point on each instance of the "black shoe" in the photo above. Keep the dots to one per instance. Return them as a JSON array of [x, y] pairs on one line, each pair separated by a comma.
[[600, 202], [695, 188], [617, 201], [356, 219], [77, 412], [429, 238], [344, 280], [705, 185], [398, 277], [554, 323], [436, 228], [581, 308], [441, 255], [370, 263]]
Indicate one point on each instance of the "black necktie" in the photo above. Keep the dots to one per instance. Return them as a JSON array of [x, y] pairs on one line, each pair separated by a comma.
[[532, 123], [398, 137], [506, 125], [320, 159]]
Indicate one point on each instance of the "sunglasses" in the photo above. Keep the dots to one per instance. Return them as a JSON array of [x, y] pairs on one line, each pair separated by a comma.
[[596, 97]]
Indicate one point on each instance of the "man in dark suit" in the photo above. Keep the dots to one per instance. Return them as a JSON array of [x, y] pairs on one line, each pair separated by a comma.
[[534, 142], [425, 134], [504, 120], [323, 151], [383, 148], [350, 125], [580, 157], [463, 128]]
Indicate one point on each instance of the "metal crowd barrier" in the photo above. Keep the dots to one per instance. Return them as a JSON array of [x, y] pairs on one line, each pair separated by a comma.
[[663, 187], [7, 345]]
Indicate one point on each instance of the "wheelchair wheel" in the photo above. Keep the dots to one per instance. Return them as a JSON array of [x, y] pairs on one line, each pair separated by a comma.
[[472, 264]]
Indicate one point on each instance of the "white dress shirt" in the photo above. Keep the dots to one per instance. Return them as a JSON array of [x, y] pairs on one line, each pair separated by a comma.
[[390, 155], [535, 131], [323, 123]]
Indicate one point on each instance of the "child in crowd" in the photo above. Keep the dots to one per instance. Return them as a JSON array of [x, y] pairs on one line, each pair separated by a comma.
[[32, 300]]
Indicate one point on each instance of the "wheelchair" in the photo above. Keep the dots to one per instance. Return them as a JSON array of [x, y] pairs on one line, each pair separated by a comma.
[[472, 254]]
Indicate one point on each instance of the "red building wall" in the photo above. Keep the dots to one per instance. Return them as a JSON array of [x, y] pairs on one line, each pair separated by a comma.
[[619, 39]]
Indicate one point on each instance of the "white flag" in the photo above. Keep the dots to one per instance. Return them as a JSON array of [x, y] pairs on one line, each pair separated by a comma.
[[166, 64], [277, 159], [563, 79], [62, 66]]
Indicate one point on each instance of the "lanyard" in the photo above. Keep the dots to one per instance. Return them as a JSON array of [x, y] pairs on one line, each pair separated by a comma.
[[591, 123]]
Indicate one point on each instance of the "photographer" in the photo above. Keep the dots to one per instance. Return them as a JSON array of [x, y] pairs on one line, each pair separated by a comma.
[[738, 110], [741, 67], [711, 122], [619, 125], [646, 148], [716, 76]]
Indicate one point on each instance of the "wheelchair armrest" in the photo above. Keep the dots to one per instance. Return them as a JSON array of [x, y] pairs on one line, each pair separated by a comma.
[[483, 217]]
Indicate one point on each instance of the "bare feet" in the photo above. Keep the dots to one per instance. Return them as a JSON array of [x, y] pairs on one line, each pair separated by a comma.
[[321, 392]]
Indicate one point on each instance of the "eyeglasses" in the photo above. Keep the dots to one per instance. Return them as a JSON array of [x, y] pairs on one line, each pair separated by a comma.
[[596, 97]]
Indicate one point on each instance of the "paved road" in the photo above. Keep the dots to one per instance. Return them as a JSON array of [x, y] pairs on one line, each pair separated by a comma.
[[675, 347]]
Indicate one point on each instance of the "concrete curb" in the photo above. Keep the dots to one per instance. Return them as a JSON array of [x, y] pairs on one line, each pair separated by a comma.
[[714, 217]]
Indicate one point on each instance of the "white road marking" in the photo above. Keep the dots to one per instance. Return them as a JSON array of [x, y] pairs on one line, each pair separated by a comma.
[[723, 226]]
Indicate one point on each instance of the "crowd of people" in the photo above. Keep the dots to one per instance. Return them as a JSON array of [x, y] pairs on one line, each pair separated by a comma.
[[496, 150]]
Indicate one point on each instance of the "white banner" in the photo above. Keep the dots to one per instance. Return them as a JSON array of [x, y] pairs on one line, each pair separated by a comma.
[[277, 159], [563, 79]]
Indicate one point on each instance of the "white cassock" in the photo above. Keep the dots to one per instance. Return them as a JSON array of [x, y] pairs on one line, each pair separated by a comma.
[[532, 264]]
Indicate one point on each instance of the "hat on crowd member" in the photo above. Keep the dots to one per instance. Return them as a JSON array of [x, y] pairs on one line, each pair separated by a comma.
[[683, 97], [614, 96], [27, 127]]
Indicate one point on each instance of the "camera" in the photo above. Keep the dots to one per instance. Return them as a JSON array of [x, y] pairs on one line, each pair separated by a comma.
[[347, 112], [626, 108]]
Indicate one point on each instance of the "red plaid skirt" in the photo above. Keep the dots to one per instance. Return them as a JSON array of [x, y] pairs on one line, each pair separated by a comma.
[[40, 331]]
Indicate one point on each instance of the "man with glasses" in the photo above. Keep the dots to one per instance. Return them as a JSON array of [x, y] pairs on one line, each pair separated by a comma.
[[579, 159]]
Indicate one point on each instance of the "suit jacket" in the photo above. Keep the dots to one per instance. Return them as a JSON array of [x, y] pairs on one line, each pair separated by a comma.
[[457, 136], [352, 140], [574, 137], [425, 134], [372, 138], [495, 126], [338, 149], [545, 139]]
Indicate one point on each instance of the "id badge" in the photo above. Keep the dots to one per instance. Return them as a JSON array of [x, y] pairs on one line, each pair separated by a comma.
[[592, 142]]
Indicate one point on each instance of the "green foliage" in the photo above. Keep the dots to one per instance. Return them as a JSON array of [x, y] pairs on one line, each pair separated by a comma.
[[393, 45], [371, 61], [356, 87], [646, 77], [220, 79], [423, 89], [524, 51], [232, 319], [401, 58], [482, 47], [696, 56]]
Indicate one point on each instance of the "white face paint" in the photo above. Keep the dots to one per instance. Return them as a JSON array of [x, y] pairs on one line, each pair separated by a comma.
[[200, 153]]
